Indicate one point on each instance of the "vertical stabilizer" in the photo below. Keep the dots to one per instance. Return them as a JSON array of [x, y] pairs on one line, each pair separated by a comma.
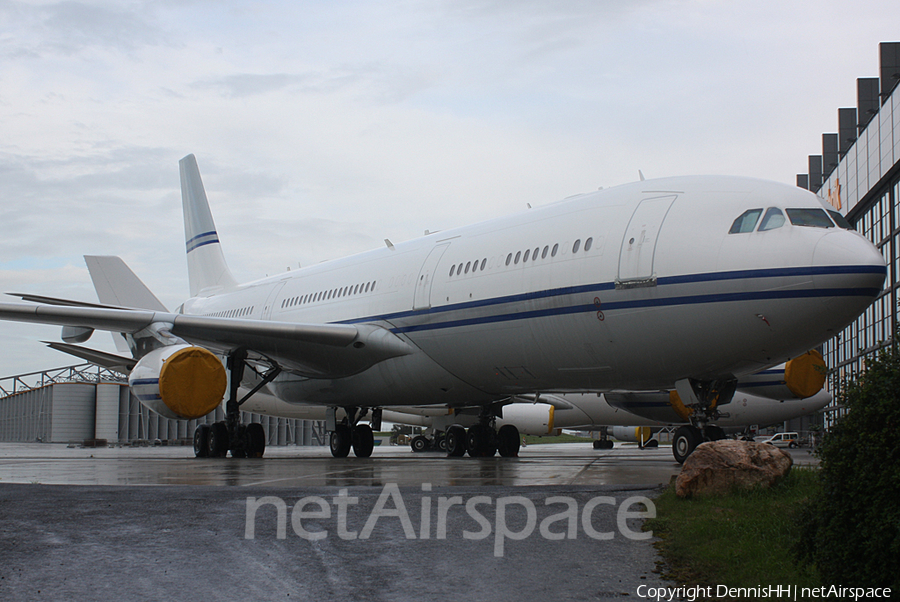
[[207, 271]]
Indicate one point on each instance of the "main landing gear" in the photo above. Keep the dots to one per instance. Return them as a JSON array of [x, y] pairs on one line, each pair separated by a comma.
[[703, 399], [243, 440], [350, 433], [482, 441]]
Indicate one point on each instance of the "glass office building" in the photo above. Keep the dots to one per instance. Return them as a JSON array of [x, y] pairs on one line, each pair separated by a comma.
[[858, 173]]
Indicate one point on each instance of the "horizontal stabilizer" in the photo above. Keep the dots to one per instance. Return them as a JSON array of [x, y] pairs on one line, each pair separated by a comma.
[[59, 301], [113, 362]]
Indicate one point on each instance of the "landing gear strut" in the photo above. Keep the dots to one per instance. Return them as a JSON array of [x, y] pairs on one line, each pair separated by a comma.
[[703, 399], [244, 441]]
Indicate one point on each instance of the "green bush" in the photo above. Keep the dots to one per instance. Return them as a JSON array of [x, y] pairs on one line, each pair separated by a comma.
[[852, 531]]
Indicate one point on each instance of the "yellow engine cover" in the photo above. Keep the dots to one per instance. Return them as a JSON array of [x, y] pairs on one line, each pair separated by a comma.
[[805, 375], [192, 382]]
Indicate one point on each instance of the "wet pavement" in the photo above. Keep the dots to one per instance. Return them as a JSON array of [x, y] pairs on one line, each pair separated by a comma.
[[561, 522]]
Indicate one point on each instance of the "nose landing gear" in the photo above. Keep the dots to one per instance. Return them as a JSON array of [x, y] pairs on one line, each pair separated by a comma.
[[702, 399]]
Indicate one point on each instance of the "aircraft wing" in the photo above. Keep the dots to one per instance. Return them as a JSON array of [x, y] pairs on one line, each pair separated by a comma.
[[311, 350]]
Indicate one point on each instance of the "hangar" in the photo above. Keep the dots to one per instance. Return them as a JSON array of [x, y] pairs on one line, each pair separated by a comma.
[[86, 403], [858, 172]]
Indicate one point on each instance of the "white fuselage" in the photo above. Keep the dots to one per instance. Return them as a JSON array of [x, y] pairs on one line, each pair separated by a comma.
[[634, 288]]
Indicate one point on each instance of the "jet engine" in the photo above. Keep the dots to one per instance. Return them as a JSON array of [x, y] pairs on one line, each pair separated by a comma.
[[179, 381], [633, 434], [530, 419], [799, 378]]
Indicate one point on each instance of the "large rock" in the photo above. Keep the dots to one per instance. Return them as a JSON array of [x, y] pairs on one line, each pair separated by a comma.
[[716, 467]]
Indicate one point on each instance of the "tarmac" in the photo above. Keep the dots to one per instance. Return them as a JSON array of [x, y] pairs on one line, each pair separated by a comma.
[[560, 522]]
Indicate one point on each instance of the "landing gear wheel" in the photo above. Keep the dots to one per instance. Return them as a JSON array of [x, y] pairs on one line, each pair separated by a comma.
[[713, 433], [201, 441], [456, 441], [481, 441], [217, 441], [419, 443], [440, 443], [508, 441], [340, 441], [686, 439], [652, 443], [603, 444], [255, 440], [363, 440]]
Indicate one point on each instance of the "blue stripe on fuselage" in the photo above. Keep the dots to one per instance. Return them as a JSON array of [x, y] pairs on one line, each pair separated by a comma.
[[635, 303]]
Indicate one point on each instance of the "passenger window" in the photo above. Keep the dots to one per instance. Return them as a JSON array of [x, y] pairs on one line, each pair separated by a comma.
[[544, 253], [527, 254], [588, 244], [467, 266], [555, 249], [475, 266], [814, 218], [746, 222], [483, 263], [576, 246], [840, 220], [773, 219], [508, 258], [534, 254], [518, 256], [452, 270]]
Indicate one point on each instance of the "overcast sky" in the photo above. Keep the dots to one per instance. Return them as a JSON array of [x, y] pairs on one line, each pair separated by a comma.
[[322, 128]]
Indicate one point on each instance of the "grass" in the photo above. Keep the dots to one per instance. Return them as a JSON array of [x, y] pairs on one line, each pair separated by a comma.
[[744, 539]]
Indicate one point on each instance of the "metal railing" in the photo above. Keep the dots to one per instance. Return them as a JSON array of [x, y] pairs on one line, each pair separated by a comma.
[[80, 373]]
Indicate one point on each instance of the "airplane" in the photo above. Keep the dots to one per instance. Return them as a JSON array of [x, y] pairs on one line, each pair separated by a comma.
[[591, 412], [788, 391], [685, 283]]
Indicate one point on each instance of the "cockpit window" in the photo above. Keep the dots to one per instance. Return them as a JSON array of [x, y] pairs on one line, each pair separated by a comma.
[[746, 222], [840, 220], [815, 218], [773, 218]]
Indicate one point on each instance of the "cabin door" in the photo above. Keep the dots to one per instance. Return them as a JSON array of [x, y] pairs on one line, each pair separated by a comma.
[[422, 299], [639, 243]]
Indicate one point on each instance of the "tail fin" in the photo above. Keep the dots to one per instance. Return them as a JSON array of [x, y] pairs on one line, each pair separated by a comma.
[[207, 271]]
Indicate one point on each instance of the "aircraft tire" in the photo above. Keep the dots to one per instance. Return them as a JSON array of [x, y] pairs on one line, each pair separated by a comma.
[[201, 441], [508, 441], [217, 441], [456, 441], [419, 443], [481, 441], [340, 441], [363, 440], [652, 443], [686, 439], [255, 440]]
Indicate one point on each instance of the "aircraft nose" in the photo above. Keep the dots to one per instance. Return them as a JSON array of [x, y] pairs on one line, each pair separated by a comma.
[[853, 257]]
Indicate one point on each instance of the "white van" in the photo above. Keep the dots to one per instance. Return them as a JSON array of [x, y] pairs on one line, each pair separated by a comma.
[[791, 440]]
